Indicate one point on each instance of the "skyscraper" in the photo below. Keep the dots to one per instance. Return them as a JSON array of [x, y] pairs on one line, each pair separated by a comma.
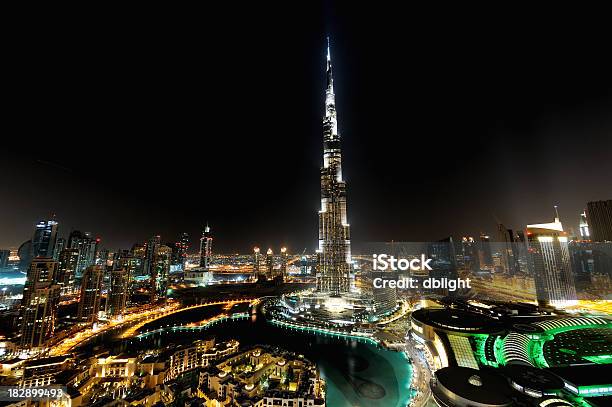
[[149, 259], [284, 260], [334, 253], [510, 253], [60, 244], [256, 260], [181, 248], [45, 236], [599, 215], [469, 254], [38, 311], [584, 227], [68, 261], [161, 270], [550, 258], [87, 247], [91, 286], [485, 254], [205, 248], [270, 264], [119, 291]]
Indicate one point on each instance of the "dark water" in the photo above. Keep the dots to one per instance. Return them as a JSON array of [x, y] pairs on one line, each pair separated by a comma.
[[357, 373]]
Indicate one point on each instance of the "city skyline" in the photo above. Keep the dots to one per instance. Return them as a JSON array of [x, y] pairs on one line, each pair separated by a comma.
[[462, 214], [527, 130]]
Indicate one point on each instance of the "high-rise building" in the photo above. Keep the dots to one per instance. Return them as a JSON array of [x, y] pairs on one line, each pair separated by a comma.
[[584, 227], [485, 254], [132, 264], [68, 261], [181, 248], [119, 292], [284, 260], [139, 254], [38, 311], [256, 260], [87, 247], [60, 244], [149, 259], [550, 259], [102, 258], [161, 270], [510, 252], [469, 254], [599, 215], [334, 268], [205, 248], [270, 263], [91, 287], [45, 236], [443, 262]]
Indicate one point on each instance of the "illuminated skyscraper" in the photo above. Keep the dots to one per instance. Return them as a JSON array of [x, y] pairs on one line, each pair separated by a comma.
[[45, 236], [256, 260], [87, 247], [91, 286], [181, 248], [485, 255], [38, 311], [469, 254], [599, 214], [205, 248], [548, 248], [334, 268], [161, 270], [269, 263], [584, 227], [119, 291], [284, 262], [60, 244], [510, 253], [138, 254], [149, 259], [68, 260]]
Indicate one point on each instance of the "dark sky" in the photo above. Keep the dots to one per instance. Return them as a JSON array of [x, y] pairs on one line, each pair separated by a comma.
[[129, 123]]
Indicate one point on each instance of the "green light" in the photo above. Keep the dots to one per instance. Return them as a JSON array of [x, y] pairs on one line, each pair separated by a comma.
[[536, 353], [598, 390], [599, 359], [498, 350]]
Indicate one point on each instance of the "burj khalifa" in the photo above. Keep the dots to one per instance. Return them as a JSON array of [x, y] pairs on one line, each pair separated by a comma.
[[334, 254]]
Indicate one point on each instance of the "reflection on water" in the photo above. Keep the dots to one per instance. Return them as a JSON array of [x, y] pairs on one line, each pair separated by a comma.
[[357, 373]]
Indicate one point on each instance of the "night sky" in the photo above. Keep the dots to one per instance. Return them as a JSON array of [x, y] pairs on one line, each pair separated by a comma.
[[154, 121]]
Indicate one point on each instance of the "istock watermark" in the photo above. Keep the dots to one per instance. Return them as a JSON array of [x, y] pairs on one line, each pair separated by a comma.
[[389, 263], [384, 262]]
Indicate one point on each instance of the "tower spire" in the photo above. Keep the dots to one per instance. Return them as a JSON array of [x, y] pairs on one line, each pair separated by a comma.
[[334, 263]]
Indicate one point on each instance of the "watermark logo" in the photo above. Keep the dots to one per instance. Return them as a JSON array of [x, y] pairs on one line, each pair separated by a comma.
[[384, 262]]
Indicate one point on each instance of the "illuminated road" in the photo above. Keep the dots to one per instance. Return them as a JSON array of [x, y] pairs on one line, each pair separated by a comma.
[[68, 344], [138, 319], [133, 330]]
